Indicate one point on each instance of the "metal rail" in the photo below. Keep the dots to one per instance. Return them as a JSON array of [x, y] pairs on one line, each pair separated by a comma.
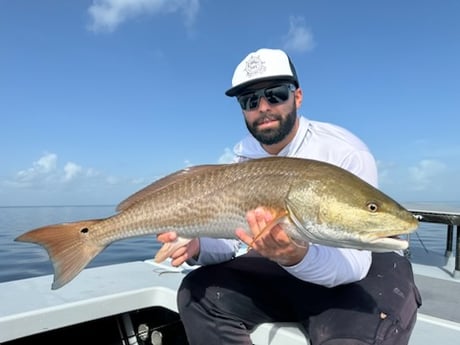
[[451, 219]]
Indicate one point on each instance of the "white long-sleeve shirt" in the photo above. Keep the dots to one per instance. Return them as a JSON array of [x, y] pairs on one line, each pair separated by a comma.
[[324, 265]]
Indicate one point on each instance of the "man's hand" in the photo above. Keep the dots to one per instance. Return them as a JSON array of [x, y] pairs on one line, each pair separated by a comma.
[[183, 253], [274, 243]]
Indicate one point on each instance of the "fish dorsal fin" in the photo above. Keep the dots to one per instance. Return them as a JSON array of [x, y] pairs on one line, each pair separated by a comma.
[[163, 183]]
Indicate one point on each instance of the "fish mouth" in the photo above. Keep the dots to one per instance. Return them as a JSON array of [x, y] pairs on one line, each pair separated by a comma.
[[376, 243], [371, 242], [391, 241], [387, 243]]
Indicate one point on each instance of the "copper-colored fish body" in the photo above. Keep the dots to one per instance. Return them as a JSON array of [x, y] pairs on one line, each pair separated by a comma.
[[324, 204]]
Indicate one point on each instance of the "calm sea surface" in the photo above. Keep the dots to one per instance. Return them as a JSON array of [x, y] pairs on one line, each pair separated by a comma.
[[22, 260]]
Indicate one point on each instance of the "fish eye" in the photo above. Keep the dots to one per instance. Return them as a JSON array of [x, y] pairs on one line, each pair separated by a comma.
[[372, 207]]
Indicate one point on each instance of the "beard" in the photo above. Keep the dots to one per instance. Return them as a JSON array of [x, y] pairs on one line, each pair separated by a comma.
[[275, 135]]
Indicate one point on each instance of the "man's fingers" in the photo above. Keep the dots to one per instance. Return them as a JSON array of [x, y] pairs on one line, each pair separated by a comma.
[[243, 236], [252, 222], [179, 252], [258, 220], [178, 261], [279, 235], [167, 236]]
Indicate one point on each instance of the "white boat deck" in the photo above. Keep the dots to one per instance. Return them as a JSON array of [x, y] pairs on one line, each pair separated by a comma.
[[99, 292], [29, 306]]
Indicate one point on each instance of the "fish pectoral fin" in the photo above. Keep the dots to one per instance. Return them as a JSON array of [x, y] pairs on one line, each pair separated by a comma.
[[291, 212], [277, 219], [300, 228], [168, 248]]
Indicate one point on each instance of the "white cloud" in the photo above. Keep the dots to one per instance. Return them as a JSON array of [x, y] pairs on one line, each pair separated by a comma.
[[40, 170], [384, 171], [107, 15], [299, 38], [71, 170], [47, 182], [46, 163], [426, 172], [45, 172], [226, 157], [426, 180]]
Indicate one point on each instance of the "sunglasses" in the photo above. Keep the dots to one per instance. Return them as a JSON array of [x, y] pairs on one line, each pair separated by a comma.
[[273, 94]]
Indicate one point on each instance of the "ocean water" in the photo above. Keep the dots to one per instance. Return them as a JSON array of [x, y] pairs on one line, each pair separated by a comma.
[[23, 260]]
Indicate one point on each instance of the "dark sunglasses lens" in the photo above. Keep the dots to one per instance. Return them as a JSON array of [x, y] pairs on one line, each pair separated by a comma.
[[249, 101], [277, 94], [253, 102], [274, 95]]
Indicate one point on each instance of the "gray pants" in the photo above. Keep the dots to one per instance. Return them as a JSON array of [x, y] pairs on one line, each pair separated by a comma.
[[220, 304]]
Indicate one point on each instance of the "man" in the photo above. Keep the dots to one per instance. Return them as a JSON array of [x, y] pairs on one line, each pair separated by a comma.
[[340, 296]]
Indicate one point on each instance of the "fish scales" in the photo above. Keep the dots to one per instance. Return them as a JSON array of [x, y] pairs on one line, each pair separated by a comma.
[[314, 201], [216, 200]]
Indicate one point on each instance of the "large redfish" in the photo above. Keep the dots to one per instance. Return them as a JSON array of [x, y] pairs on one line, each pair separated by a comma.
[[313, 200]]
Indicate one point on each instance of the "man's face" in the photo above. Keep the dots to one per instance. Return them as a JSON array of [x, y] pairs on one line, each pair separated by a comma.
[[269, 118]]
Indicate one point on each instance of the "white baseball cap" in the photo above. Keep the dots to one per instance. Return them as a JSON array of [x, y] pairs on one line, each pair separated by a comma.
[[264, 64]]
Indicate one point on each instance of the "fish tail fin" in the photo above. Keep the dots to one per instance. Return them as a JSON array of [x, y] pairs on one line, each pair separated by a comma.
[[170, 247], [69, 246]]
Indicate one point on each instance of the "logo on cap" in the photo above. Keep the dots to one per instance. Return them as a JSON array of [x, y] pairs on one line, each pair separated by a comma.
[[254, 66]]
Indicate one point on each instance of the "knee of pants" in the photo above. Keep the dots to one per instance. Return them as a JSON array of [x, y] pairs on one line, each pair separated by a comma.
[[192, 288], [184, 292], [389, 332]]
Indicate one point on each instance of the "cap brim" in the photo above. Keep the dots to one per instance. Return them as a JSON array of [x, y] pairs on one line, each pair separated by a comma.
[[236, 90]]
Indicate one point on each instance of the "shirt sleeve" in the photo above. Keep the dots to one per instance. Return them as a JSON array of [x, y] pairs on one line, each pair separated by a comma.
[[362, 164], [215, 250], [330, 266]]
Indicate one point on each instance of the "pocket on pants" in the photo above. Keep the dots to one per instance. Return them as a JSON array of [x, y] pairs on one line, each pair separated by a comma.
[[394, 332]]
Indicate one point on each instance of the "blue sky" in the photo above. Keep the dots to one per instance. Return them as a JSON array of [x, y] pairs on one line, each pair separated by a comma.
[[99, 98]]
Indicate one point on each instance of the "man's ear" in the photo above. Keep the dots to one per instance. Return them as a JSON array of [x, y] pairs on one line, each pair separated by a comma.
[[298, 97]]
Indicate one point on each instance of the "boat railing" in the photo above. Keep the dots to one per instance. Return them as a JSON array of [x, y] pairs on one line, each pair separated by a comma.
[[451, 219]]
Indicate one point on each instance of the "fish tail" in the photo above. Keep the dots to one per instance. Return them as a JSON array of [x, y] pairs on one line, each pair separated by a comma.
[[69, 246]]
